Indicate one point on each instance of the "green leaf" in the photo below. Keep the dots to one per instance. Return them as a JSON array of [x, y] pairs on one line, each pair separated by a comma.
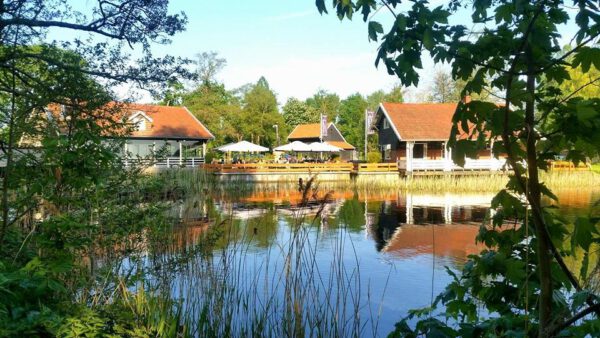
[[428, 41], [375, 28], [583, 272], [585, 57], [582, 234], [585, 111], [321, 6]]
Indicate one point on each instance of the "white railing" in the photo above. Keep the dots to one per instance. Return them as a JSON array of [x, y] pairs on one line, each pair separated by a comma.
[[484, 164], [422, 164], [441, 164], [167, 162], [176, 161]]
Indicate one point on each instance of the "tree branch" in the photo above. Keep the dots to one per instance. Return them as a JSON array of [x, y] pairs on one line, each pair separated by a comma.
[[60, 24], [575, 318]]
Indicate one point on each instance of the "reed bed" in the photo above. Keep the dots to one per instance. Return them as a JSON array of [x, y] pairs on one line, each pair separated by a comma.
[[226, 287], [197, 181], [571, 180]]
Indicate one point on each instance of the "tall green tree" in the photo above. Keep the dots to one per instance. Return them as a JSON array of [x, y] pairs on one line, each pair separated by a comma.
[[217, 108], [261, 114], [515, 50], [325, 103], [352, 119], [395, 95], [28, 59], [296, 112]]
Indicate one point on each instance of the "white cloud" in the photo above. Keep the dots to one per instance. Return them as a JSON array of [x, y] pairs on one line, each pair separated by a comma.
[[301, 77]]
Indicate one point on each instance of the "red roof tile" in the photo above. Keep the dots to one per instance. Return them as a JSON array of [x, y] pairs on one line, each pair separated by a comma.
[[421, 121], [341, 144], [169, 122], [301, 131], [165, 122]]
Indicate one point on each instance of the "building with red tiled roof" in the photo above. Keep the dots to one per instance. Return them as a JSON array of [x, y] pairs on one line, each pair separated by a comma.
[[172, 130], [312, 133], [166, 122], [155, 131], [415, 136]]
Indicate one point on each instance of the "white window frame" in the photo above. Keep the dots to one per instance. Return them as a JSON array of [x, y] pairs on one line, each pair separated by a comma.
[[386, 124]]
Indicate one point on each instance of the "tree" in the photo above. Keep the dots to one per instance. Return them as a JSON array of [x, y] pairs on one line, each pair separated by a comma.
[[352, 119], [260, 114], [587, 84], [216, 107], [379, 96], [395, 95], [522, 274], [325, 103], [444, 88], [173, 94], [28, 59], [57, 96], [296, 112], [209, 65]]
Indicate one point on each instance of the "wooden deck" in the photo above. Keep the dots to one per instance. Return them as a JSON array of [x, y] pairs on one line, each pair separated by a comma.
[[279, 168], [568, 166], [422, 166]]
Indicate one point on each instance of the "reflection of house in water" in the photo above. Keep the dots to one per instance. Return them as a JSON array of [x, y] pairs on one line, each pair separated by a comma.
[[412, 209], [450, 240], [310, 209], [242, 211]]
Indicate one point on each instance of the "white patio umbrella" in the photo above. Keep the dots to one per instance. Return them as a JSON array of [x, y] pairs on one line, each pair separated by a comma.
[[297, 146], [243, 147], [323, 147]]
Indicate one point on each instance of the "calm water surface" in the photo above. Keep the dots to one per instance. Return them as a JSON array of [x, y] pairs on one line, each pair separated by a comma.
[[401, 243]]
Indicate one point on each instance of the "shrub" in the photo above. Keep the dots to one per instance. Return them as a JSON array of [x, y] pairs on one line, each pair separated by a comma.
[[373, 157]]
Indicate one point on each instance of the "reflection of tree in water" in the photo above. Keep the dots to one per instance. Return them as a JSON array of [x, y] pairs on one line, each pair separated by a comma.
[[262, 230], [352, 214]]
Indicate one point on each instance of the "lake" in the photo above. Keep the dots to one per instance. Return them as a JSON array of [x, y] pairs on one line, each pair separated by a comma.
[[279, 262]]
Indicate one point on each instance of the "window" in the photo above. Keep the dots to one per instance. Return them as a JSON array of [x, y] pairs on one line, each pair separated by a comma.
[[386, 124], [387, 151], [139, 123]]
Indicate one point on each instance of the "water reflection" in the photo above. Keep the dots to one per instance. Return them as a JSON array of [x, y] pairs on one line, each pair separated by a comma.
[[391, 221], [402, 240], [398, 224]]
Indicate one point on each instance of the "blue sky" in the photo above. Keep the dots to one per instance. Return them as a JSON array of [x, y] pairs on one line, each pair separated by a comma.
[[290, 43]]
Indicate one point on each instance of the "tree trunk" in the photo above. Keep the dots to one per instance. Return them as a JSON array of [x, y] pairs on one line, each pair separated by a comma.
[[534, 197]]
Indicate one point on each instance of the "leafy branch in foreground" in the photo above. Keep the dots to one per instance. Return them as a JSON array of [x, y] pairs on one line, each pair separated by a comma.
[[513, 48], [74, 222]]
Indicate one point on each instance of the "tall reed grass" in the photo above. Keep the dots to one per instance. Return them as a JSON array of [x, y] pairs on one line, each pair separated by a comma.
[[198, 180], [282, 290]]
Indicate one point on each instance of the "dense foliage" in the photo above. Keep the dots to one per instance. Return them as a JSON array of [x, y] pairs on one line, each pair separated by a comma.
[[75, 222], [512, 49], [252, 111]]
